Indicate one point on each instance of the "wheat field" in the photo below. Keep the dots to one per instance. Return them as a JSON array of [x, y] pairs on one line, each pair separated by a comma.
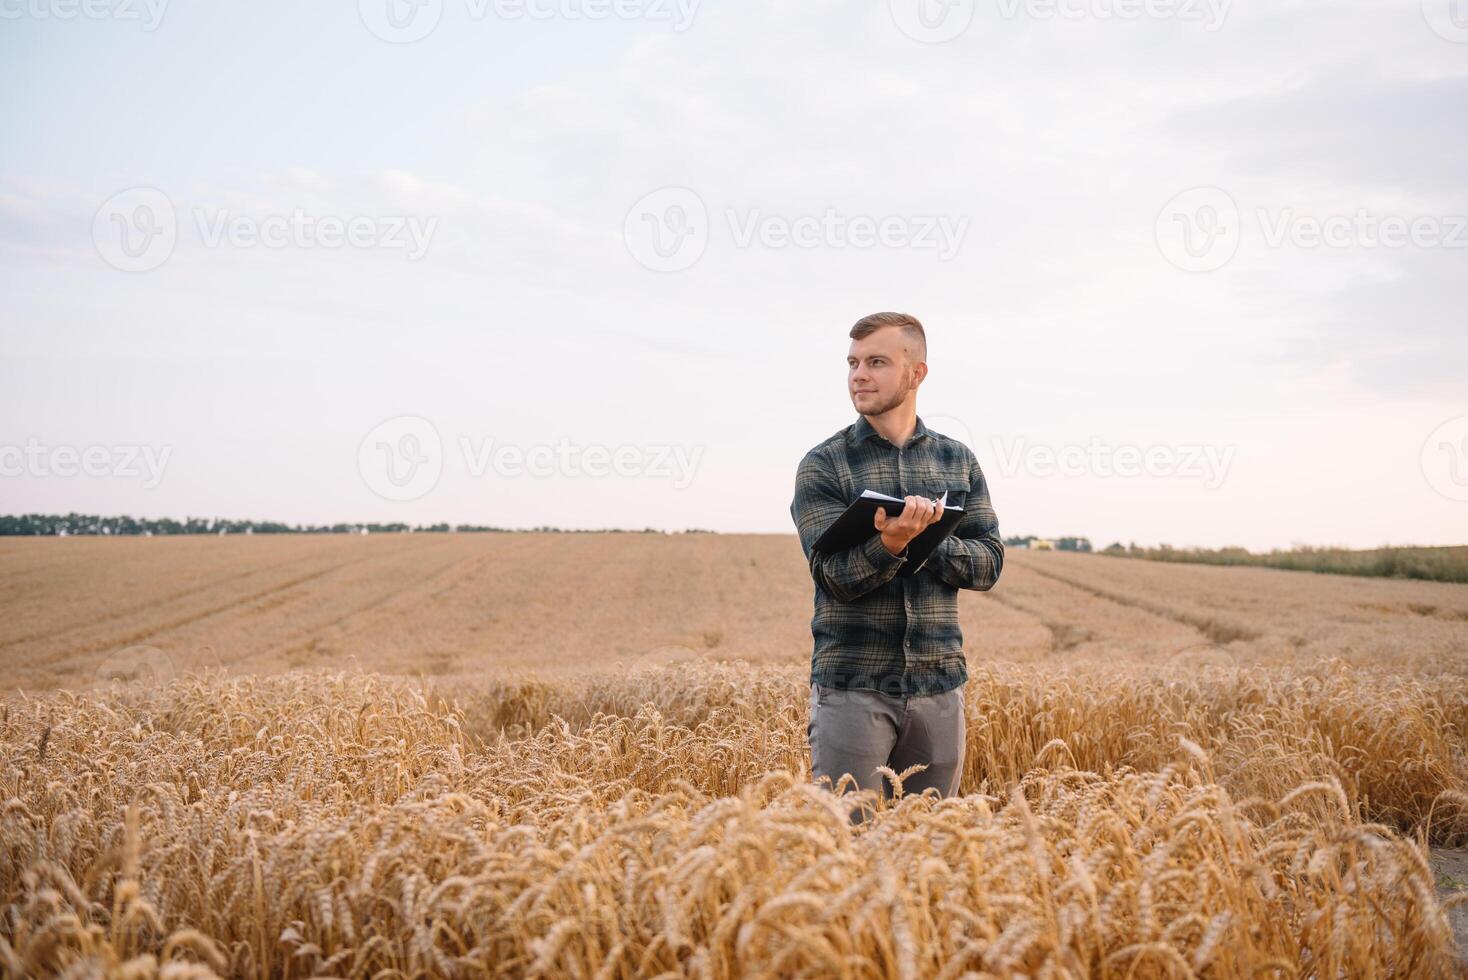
[[584, 756]]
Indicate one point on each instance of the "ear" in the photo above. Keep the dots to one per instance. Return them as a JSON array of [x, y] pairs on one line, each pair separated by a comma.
[[919, 372]]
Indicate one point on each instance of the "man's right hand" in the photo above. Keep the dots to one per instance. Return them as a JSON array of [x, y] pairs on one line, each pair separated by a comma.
[[917, 514]]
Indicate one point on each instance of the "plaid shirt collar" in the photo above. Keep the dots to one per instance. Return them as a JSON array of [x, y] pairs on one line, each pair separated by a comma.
[[862, 431]]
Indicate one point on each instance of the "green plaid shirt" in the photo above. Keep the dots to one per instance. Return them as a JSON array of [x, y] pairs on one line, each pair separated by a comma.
[[873, 630]]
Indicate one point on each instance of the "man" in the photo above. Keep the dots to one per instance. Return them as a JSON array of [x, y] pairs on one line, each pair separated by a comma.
[[888, 666]]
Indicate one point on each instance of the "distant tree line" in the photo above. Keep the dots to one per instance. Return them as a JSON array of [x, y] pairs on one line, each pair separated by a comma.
[[59, 525], [1445, 564]]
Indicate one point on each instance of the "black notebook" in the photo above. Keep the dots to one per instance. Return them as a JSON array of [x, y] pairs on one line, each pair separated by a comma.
[[858, 523]]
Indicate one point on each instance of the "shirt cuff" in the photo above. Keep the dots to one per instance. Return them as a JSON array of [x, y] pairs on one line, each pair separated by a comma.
[[880, 557]]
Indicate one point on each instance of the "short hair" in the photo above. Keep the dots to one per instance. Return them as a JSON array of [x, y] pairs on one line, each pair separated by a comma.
[[910, 325]]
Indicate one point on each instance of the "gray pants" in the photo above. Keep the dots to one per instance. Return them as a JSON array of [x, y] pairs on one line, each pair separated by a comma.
[[857, 730]]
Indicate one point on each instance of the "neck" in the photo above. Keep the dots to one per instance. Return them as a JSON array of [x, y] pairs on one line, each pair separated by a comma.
[[897, 424]]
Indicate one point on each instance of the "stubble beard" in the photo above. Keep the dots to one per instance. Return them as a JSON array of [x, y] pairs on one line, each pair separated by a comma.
[[892, 402]]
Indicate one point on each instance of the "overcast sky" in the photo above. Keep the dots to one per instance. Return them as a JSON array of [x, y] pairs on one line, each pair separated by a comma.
[[1192, 271]]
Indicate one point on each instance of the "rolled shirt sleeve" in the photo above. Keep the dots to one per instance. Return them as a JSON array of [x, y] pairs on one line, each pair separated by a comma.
[[973, 555]]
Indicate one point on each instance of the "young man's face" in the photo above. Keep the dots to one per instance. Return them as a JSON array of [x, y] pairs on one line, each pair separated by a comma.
[[882, 370]]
